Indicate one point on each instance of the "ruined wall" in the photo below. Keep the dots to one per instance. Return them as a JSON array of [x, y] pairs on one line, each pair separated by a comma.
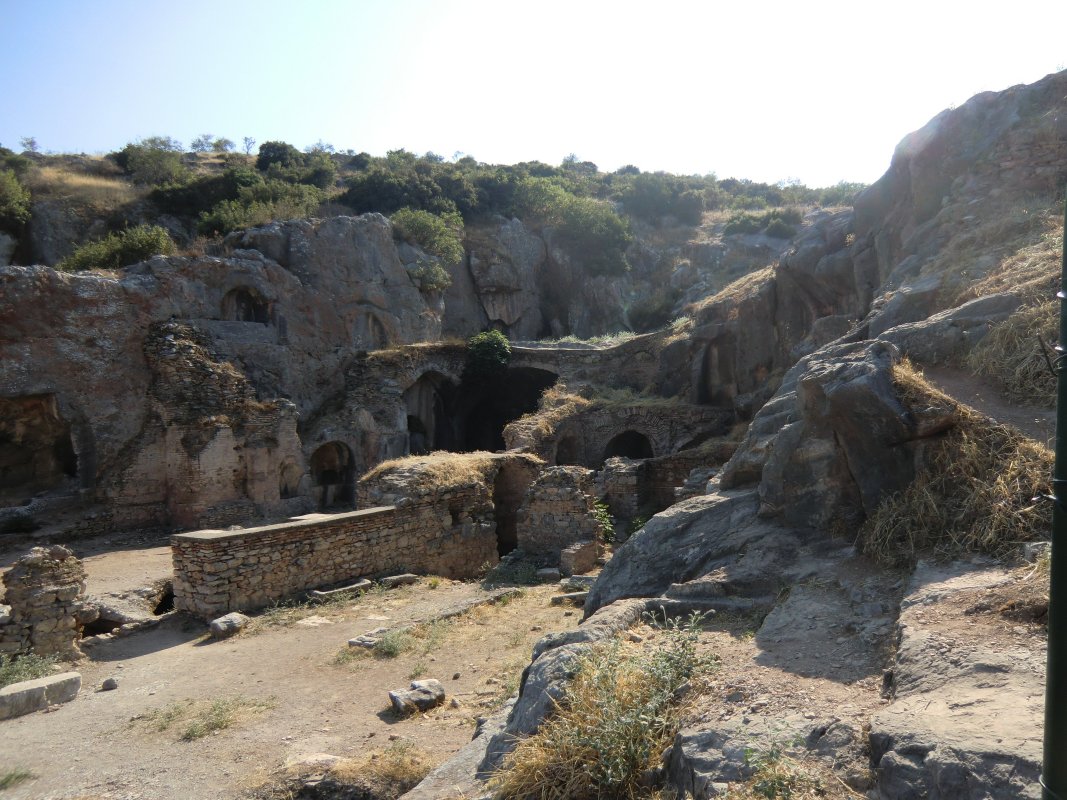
[[220, 571], [557, 511], [44, 590]]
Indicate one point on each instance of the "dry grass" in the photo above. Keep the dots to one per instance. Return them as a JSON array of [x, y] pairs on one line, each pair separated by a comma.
[[741, 289], [1011, 355], [975, 492], [440, 469], [780, 776], [619, 714], [95, 192], [386, 773], [202, 717], [558, 404]]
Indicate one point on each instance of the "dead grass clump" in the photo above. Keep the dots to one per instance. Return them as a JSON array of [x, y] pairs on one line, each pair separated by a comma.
[[620, 712], [96, 192], [780, 776], [1011, 355], [1032, 272], [386, 773], [741, 289], [440, 469], [975, 492], [203, 718]]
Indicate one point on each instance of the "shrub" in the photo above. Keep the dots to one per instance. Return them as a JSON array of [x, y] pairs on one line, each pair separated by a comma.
[[596, 236], [605, 521], [619, 714], [780, 229], [154, 161], [118, 250], [278, 153], [14, 204], [15, 669], [438, 234], [488, 354], [259, 204], [430, 276]]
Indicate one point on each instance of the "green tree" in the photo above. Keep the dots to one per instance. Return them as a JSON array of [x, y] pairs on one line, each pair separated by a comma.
[[222, 145], [14, 204], [154, 161]]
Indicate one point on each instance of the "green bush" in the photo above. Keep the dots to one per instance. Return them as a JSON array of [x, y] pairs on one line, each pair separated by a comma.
[[488, 354], [14, 204], [15, 669], [118, 250], [154, 161], [259, 204], [430, 276], [440, 235], [780, 229], [778, 222], [281, 153], [595, 236]]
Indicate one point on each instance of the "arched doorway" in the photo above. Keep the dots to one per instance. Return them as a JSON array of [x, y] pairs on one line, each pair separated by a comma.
[[430, 415], [629, 444], [333, 474], [568, 452], [244, 304], [289, 481], [36, 448]]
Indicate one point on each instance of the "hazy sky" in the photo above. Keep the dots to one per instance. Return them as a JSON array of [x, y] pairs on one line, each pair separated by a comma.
[[819, 91]]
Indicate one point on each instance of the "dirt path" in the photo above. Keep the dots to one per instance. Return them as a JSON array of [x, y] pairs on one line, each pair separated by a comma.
[[1036, 422], [321, 700]]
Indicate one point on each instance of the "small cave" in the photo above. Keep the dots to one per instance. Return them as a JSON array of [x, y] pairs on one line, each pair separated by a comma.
[[333, 474], [244, 304], [36, 448], [568, 452], [487, 406], [164, 601], [289, 481], [629, 444], [99, 626], [430, 404], [717, 385]]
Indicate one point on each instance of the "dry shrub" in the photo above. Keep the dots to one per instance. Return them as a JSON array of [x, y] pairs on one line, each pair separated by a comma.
[[974, 493], [741, 289], [387, 773], [440, 469], [1011, 355], [780, 776], [620, 713]]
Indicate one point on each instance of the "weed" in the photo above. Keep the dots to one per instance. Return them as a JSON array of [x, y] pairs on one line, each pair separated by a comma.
[[10, 778], [605, 522], [15, 669], [392, 643], [389, 772], [619, 714], [222, 714], [776, 776], [417, 671], [433, 582], [974, 494], [1011, 355]]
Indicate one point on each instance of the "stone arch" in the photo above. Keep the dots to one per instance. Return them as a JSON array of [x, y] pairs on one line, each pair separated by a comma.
[[629, 444], [245, 304], [333, 474], [371, 333]]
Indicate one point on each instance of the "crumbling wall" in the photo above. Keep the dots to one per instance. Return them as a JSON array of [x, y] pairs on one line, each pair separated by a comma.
[[44, 590], [557, 511]]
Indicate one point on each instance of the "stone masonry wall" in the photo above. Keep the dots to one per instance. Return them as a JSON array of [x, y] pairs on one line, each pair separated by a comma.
[[216, 572], [44, 590], [557, 511]]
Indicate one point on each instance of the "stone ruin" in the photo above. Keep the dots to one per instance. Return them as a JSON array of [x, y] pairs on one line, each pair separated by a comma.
[[45, 600]]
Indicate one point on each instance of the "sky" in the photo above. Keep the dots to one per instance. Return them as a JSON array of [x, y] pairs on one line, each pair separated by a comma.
[[818, 92]]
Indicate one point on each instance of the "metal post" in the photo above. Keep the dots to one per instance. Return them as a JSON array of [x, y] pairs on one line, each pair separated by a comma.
[[1054, 768]]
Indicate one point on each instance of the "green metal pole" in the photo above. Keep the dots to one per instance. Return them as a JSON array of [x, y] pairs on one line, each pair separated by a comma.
[[1054, 768]]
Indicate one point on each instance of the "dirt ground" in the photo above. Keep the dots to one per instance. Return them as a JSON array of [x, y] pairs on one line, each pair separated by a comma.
[[315, 694]]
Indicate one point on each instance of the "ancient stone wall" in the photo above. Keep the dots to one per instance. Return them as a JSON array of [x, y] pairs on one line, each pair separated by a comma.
[[216, 572], [557, 511], [44, 591]]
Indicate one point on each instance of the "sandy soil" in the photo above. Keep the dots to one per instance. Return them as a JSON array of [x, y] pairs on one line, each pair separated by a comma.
[[105, 744]]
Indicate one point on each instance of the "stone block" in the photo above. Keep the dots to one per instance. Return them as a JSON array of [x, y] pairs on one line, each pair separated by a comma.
[[578, 558], [29, 696]]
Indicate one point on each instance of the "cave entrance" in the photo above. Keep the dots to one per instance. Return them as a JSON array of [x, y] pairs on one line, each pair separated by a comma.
[[718, 382], [568, 452], [490, 404], [431, 417], [629, 444], [244, 304], [289, 481], [334, 475], [36, 449]]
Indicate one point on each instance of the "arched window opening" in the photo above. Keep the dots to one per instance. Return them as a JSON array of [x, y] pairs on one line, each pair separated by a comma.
[[629, 444], [245, 305], [334, 475]]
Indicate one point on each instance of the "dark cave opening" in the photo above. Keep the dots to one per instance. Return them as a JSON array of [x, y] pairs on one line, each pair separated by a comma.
[[629, 444], [36, 449], [245, 305], [333, 474]]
